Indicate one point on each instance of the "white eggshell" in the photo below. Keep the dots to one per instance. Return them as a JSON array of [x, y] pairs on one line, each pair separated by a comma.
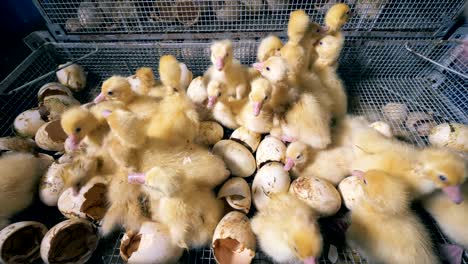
[[27, 123], [234, 240], [209, 133], [197, 91], [70, 241], [270, 178], [57, 104], [89, 203], [351, 191], [319, 194], [383, 128], [51, 136], [237, 193], [453, 135], [52, 184], [152, 244], [72, 76], [22, 239], [238, 158], [395, 112], [53, 88], [420, 123], [270, 149], [250, 138]]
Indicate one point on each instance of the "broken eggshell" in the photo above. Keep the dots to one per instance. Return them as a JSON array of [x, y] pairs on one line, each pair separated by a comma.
[[196, 91], [270, 149], [248, 137], [351, 191], [20, 242], [152, 244], [420, 123], [70, 241], [17, 144], [237, 193], [453, 136], [270, 178], [238, 158], [52, 184], [53, 88], [28, 122], [57, 104], [89, 203], [72, 76], [383, 128], [233, 240], [319, 194], [209, 133], [395, 112], [51, 136]]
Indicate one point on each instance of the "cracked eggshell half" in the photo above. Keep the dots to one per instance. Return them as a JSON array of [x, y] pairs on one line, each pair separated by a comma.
[[238, 158], [52, 184], [72, 76], [248, 137], [89, 203], [383, 128], [271, 178], [70, 241], [351, 191], [209, 133], [234, 240], [236, 191], [51, 136], [28, 122], [453, 136], [270, 149], [152, 244], [395, 112], [20, 242], [53, 88], [57, 104]]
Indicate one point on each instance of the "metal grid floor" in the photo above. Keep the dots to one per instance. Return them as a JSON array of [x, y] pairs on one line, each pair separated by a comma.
[[375, 73]]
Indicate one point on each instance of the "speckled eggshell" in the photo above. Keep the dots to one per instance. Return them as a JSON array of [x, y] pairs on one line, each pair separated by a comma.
[[236, 191], [248, 137], [270, 178], [51, 136], [238, 158], [209, 133], [270, 149], [28, 123], [453, 136], [350, 191], [52, 184]]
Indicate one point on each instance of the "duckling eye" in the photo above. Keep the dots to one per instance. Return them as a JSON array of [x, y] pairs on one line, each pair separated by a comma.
[[219, 94], [268, 68], [365, 181], [227, 54], [442, 178], [278, 49], [299, 156], [347, 12], [78, 129], [318, 30], [110, 93], [320, 43], [266, 97]]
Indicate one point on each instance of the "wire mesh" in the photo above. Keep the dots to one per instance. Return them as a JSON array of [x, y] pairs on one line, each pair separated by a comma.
[[375, 73], [205, 16]]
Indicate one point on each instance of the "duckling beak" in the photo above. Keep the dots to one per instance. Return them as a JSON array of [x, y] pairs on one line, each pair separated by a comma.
[[257, 107], [106, 113], [72, 142], [211, 102], [310, 260], [219, 64], [358, 173], [454, 193], [137, 178], [289, 164], [99, 98], [258, 66]]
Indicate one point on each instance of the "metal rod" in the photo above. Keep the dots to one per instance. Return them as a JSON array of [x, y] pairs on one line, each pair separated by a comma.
[[434, 62]]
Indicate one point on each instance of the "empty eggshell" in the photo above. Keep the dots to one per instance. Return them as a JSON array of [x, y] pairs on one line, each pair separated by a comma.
[[197, 91], [351, 191], [51, 136], [238, 158], [420, 123], [233, 240], [89, 203], [152, 244], [70, 241], [28, 122], [57, 104], [53, 88], [248, 137], [209, 133], [319, 194], [270, 178], [72, 76], [270, 149], [20, 242], [395, 112], [52, 184], [383, 128], [453, 136], [17, 144], [237, 193]]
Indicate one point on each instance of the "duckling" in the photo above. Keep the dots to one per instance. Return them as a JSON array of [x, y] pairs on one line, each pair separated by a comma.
[[381, 217], [227, 70], [288, 239], [143, 81], [298, 25], [186, 76], [191, 221], [79, 123], [336, 17], [223, 107], [269, 46]]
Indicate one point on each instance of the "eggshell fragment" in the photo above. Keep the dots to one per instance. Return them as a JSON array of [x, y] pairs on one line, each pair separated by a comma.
[[51, 136], [71, 241], [395, 112], [152, 244], [57, 104], [52, 184], [319, 194], [350, 191], [420, 123], [20, 242], [270, 149], [209, 133], [237, 193], [89, 203], [196, 91], [248, 137], [233, 240], [238, 158], [72, 76], [271, 178], [17, 144], [53, 88], [383, 128], [453, 136], [28, 122]]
